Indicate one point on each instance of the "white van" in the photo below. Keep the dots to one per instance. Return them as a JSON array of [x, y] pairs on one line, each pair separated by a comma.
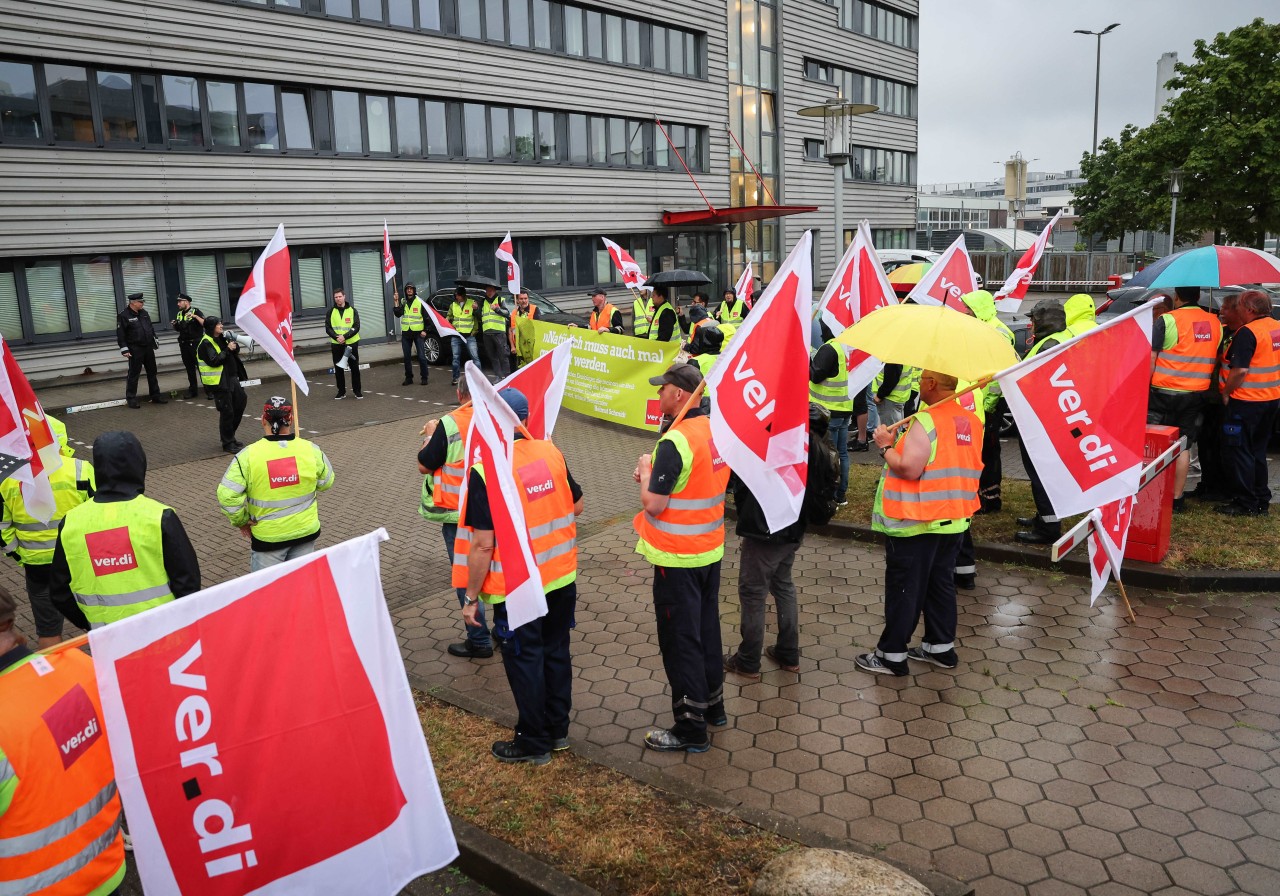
[[896, 258]]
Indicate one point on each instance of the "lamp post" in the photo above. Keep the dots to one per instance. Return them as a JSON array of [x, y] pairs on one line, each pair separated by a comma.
[[1175, 190], [1097, 76], [837, 117]]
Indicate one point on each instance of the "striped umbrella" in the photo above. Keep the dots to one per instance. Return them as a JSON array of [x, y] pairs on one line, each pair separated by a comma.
[[1210, 266]]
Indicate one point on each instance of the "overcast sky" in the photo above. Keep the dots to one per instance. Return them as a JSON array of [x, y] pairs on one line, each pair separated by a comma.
[[999, 76]]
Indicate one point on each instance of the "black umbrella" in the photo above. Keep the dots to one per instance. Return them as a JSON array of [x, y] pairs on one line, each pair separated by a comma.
[[477, 281], [678, 277]]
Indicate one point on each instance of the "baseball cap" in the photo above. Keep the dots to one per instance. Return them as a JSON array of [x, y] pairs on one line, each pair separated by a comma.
[[516, 401], [597, 292], [681, 375]]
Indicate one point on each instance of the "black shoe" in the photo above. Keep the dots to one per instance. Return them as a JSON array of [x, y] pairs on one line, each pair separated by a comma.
[[1208, 494], [989, 507], [408, 381], [359, 395], [859, 446], [467, 649], [734, 665], [340, 396], [422, 382], [1180, 504], [560, 744], [189, 394], [133, 403], [869, 662], [1027, 521], [665, 741], [718, 721], [156, 399], [237, 444], [208, 396], [947, 659], [454, 383], [967, 580], [1036, 536], [510, 751], [1234, 509]]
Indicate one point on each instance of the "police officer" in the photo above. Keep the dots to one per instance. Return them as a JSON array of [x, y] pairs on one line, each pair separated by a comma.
[[462, 317], [536, 655], [121, 552], [413, 331], [343, 326], [59, 810], [270, 490], [681, 532], [190, 326], [221, 372], [493, 329], [136, 336], [30, 541]]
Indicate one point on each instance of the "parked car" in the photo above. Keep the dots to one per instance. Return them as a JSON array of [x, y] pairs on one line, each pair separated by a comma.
[[896, 258], [1126, 298], [440, 351]]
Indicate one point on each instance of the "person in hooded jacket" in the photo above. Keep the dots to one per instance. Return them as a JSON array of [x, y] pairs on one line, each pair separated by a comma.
[[120, 553], [1082, 314], [982, 305], [1048, 328], [222, 371]]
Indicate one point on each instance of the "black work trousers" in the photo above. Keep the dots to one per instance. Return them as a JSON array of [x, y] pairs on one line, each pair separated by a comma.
[[230, 402], [989, 490], [140, 358], [353, 364], [1216, 475], [1247, 453], [686, 602], [1046, 519], [188, 350], [919, 577], [539, 670]]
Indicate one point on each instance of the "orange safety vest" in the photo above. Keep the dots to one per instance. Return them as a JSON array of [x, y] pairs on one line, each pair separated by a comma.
[[1262, 381], [605, 314], [446, 482], [1224, 360], [61, 834], [693, 329], [948, 488], [692, 526], [515, 314], [543, 480], [1188, 365]]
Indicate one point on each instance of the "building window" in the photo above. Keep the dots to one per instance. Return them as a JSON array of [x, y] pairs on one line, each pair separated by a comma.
[[68, 88], [183, 112], [475, 131], [879, 22], [346, 122], [377, 117], [885, 166], [814, 151], [437, 128], [893, 97], [19, 105], [224, 113], [260, 116], [297, 119]]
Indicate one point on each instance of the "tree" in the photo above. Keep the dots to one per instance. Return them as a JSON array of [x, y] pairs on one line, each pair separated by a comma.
[[1117, 195]]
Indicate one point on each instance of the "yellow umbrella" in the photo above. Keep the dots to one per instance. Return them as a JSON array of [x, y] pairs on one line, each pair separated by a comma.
[[932, 337], [909, 274]]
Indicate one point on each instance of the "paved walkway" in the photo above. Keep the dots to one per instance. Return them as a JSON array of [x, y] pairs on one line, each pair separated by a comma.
[[1071, 752]]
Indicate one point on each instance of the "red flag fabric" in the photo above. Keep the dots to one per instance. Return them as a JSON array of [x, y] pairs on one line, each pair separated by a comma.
[[228, 710], [1081, 410], [265, 309], [542, 382], [442, 325], [388, 261], [29, 449], [949, 278], [1107, 539], [1010, 296], [632, 276], [745, 286], [858, 287], [506, 252], [760, 395]]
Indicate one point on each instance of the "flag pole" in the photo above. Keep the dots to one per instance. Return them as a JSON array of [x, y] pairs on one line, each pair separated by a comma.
[[293, 395], [973, 387], [78, 641], [1128, 606], [694, 398]]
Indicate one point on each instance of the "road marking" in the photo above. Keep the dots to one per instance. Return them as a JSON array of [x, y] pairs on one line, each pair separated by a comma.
[[115, 403], [247, 383]]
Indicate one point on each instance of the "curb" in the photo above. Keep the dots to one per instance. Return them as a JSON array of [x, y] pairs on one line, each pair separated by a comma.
[[505, 869], [765, 819]]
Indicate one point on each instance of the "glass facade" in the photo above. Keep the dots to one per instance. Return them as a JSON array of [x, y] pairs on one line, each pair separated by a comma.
[[893, 97], [753, 119]]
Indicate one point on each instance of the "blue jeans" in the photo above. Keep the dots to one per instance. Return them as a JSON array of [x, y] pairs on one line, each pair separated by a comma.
[[873, 413], [478, 634], [472, 347], [413, 341], [839, 431]]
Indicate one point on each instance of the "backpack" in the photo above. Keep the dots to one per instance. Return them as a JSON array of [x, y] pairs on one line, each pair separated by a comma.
[[824, 480]]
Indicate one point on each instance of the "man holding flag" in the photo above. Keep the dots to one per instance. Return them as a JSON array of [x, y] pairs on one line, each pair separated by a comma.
[[413, 331]]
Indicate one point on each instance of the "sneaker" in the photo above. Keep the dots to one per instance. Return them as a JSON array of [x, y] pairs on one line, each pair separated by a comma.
[[454, 383], [467, 649], [869, 662], [340, 396], [664, 741], [772, 653], [128, 841], [1234, 509], [359, 395], [422, 383], [510, 751], [559, 744], [859, 446], [946, 659], [734, 665], [408, 381], [844, 503]]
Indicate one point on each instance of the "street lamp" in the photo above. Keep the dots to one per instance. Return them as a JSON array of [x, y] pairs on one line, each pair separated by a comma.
[[1175, 190], [837, 117], [1097, 76]]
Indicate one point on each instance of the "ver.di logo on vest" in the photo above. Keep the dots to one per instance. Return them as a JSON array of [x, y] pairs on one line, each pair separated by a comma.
[[964, 432], [536, 480], [74, 724], [283, 472], [111, 551]]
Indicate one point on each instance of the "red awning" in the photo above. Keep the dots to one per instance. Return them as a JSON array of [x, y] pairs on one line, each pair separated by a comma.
[[733, 215]]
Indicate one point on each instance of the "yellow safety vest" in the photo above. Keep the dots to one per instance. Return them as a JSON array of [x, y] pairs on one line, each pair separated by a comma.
[[463, 317], [274, 484], [209, 375], [346, 319], [31, 539], [833, 394], [115, 553], [491, 318], [413, 321]]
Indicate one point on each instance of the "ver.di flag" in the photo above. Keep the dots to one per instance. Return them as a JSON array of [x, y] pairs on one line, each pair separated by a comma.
[[1010, 296], [1081, 410], [29, 449], [265, 738], [947, 279], [632, 276], [1107, 539], [506, 252], [760, 395], [542, 382], [858, 287], [745, 286], [443, 327], [388, 261], [265, 310]]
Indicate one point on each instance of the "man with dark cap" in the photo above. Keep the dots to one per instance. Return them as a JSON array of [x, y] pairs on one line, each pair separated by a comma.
[[136, 336], [413, 331], [121, 552], [271, 490], [189, 323], [665, 325], [1048, 328], [681, 532], [221, 372], [604, 317], [733, 310], [535, 656], [59, 810]]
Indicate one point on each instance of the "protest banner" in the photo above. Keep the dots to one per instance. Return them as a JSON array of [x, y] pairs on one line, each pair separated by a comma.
[[265, 738], [29, 449], [609, 373]]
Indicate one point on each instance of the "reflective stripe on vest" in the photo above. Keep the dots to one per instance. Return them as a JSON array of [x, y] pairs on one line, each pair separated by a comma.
[[833, 394], [947, 490], [115, 552], [902, 389], [690, 530], [34, 540], [282, 511], [463, 317], [1262, 379], [604, 316], [412, 320], [1188, 365], [736, 313], [657, 317], [342, 324], [491, 319], [642, 317], [446, 485], [209, 375]]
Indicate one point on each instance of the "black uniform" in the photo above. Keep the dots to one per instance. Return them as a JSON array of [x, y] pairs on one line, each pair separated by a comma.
[[189, 332], [229, 397], [136, 335]]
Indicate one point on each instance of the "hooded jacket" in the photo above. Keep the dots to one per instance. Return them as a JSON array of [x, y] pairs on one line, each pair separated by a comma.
[[983, 306], [120, 468], [751, 519], [1081, 314]]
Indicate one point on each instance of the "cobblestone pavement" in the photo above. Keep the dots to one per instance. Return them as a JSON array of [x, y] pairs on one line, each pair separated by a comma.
[[1071, 752]]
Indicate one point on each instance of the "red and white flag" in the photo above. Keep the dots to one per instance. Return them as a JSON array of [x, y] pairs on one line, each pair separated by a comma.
[[1107, 539], [388, 262], [265, 310], [745, 286], [632, 276], [440, 322], [542, 381], [1081, 410], [858, 287], [760, 395], [233, 713], [1010, 296], [506, 252], [947, 279], [29, 449], [491, 442]]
